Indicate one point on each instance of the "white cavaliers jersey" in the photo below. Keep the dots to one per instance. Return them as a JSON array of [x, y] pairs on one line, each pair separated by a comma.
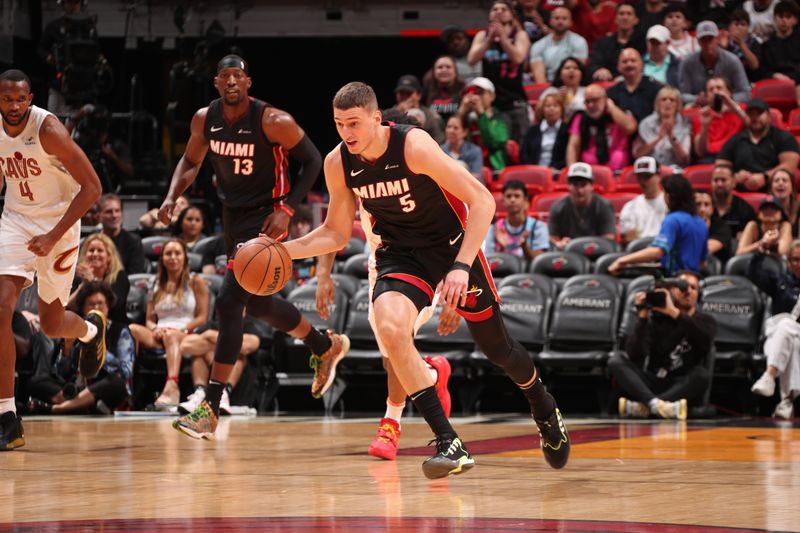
[[37, 184]]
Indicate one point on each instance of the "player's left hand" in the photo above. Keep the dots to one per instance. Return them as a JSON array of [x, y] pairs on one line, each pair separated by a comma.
[[454, 288], [325, 293], [449, 321], [41, 245], [276, 225]]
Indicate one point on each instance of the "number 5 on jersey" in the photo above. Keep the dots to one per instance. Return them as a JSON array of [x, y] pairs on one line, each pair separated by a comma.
[[408, 203]]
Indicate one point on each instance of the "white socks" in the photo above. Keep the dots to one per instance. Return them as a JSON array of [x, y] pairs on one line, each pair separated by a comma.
[[434, 373], [654, 404], [395, 412], [91, 331], [7, 404]]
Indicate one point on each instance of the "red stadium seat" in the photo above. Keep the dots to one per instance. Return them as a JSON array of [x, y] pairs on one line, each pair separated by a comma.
[[793, 122], [618, 199], [699, 176], [604, 179], [752, 198], [534, 90], [500, 209], [492, 183], [776, 93], [777, 118], [541, 204], [537, 179], [358, 230], [627, 182], [605, 84]]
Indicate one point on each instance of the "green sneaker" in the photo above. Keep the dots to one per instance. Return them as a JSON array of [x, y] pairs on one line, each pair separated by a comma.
[[199, 424], [325, 365]]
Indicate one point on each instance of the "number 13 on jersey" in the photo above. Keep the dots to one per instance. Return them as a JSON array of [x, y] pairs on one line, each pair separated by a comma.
[[242, 166]]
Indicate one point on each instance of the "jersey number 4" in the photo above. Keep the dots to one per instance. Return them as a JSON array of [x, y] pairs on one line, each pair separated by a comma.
[[25, 190], [242, 166]]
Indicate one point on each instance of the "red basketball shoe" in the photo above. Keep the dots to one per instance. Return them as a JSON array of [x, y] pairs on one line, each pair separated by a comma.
[[386, 441], [442, 367]]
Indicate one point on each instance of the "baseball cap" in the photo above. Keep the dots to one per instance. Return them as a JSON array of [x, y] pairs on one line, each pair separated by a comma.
[[645, 165], [770, 201], [408, 82], [707, 28], [482, 83], [659, 33], [757, 103], [449, 31], [580, 170]]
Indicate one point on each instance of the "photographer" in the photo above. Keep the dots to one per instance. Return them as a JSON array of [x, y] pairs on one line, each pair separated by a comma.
[[664, 370], [782, 345], [109, 156]]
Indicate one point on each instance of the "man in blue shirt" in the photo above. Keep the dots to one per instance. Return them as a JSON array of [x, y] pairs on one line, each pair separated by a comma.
[[681, 244], [517, 234]]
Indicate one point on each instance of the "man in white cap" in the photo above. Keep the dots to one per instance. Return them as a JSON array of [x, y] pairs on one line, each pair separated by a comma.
[[659, 63], [581, 213], [477, 105], [642, 216], [710, 61]]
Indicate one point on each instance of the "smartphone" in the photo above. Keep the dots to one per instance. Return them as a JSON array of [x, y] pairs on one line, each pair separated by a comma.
[[716, 104]]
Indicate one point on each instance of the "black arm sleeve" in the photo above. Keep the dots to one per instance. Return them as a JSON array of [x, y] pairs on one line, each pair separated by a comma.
[[307, 155]]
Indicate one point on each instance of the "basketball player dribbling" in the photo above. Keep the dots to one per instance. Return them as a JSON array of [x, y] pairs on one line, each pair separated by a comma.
[[50, 185], [249, 142], [419, 197]]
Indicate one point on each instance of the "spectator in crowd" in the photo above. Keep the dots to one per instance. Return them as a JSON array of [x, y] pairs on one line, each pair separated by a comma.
[[781, 52], [459, 148], [782, 329], [549, 52], [58, 390], [603, 58], [738, 41], [199, 346], [492, 127], [600, 135], [594, 19], [770, 231], [457, 44], [710, 61], [302, 222], [503, 50], [91, 219], [214, 255], [442, 90], [534, 18], [728, 207], [517, 233], [719, 120], [581, 213], [408, 94], [642, 216], [177, 303], [99, 260], [681, 243], [150, 221], [569, 81], [783, 186], [128, 245], [666, 133], [650, 13], [635, 93], [663, 368], [190, 226], [659, 63], [758, 150], [681, 42], [762, 18], [545, 142], [719, 234]]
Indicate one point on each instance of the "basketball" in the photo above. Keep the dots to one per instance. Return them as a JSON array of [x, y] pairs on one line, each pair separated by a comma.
[[262, 266]]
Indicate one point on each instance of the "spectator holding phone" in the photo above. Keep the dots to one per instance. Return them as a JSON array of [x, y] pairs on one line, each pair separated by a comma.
[[718, 121]]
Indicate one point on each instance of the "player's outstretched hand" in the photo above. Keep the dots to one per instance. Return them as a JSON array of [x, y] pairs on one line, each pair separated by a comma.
[[325, 293], [276, 225], [41, 245], [454, 288]]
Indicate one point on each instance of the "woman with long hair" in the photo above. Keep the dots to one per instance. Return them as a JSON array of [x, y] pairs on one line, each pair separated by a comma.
[[99, 260], [783, 187], [176, 305], [190, 226], [569, 83], [770, 232], [665, 134], [459, 148], [442, 91]]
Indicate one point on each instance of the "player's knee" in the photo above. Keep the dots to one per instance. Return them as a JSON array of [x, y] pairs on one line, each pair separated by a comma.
[[395, 336], [228, 302]]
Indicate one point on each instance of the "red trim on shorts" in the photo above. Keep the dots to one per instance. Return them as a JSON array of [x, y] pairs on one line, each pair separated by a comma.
[[413, 280], [487, 270], [480, 316], [281, 172]]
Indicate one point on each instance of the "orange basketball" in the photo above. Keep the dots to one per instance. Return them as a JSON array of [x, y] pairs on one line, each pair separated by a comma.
[[262, 266]]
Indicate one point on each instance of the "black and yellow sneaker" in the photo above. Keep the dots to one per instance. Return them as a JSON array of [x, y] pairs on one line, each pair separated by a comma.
[[92, 354], [451, 458], [554, 439], [11, 433]]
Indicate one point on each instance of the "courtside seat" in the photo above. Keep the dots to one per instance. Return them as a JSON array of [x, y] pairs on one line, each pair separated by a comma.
[[592, 247], [528, 280], [638, 244], [357, 266], [354, 246], [342, 282], [738, 264], [537, 179], [560, 265], [502, 264], [304, 298], [152, 249], [136, 304]]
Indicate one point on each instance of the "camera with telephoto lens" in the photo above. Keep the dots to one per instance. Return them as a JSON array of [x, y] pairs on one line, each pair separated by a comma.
[[655, 298]]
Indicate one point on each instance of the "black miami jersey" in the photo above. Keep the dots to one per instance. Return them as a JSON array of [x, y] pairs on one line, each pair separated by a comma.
[[408, 210], [251, 171]]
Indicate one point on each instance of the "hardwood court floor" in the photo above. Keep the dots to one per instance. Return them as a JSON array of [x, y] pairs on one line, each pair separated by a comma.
[[295, 474]]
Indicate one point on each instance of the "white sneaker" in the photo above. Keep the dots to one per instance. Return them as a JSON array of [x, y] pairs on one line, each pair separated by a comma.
[[678, 409], [764, 386], [225, 403], [193, 401], [785, 409]]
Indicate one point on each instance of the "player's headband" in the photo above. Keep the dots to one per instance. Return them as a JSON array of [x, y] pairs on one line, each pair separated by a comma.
[[232, 61]]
